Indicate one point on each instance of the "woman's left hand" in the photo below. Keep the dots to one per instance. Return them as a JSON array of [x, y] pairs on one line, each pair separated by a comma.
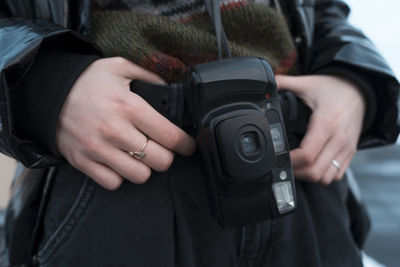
[[334, 127]]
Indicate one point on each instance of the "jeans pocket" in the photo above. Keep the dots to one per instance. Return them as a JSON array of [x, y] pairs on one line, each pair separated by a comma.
[[81, 196]]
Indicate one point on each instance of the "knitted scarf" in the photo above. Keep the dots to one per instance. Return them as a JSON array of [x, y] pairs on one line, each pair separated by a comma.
[[168, 41]]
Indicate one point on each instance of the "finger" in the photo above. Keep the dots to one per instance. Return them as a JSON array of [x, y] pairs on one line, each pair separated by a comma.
[[336, 150], [160, 129], [120, 161], [289, 83], [132, 71], [343, 167], [332, 172], [130, 139], [318, 134], [101, 174], [157, 157], [317, 170]]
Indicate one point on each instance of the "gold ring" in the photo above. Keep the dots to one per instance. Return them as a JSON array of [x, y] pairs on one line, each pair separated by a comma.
[[139, 154], [336, 164]]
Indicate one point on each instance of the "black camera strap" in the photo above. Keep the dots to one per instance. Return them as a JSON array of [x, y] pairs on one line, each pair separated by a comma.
[[214, 12], [170, 101]]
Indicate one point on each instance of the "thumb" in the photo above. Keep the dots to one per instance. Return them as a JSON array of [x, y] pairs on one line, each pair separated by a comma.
[[289, 83]]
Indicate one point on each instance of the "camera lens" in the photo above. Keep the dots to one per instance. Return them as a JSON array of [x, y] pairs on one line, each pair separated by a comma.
[[249, 142], [244, 145]]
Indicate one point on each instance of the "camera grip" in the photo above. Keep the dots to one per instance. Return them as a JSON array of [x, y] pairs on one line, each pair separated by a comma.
[[296, 115]]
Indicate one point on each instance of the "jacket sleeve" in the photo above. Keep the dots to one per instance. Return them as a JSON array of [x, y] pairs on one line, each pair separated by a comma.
[[336, 45], [39, 61]]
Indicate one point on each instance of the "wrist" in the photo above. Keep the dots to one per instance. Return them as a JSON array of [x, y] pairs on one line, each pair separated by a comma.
[[361, 85]]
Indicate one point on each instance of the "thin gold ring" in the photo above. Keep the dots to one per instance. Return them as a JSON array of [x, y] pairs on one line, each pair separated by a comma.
[[139, 154]]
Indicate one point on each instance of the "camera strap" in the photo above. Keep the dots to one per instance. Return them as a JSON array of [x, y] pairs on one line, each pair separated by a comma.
[[214, 12], [168, 100], [172, 102]]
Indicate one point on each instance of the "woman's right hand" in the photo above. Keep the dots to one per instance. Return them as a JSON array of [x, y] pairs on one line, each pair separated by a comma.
[[102, 120]]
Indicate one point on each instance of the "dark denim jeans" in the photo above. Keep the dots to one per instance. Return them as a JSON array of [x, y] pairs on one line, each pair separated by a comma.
[[167, 222]]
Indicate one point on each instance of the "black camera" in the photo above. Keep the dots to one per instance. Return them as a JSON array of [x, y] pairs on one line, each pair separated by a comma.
[[242, 138]]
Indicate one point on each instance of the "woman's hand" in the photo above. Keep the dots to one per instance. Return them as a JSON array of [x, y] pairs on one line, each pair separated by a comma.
[[102, 120], [334, 127]]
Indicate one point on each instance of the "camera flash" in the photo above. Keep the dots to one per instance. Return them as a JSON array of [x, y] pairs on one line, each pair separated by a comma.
[[283, 196]]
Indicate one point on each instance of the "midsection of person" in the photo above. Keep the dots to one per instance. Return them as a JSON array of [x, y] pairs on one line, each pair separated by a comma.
[[162, 47]]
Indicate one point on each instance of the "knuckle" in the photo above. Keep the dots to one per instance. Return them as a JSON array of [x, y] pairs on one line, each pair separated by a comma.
[[352, 150], [308, 157], [75, 159], [113, 184], [119, 60], [314, 175], [117, 104], [173, 138], [341, 139], [112, 131], [142, 177], [133, 105], [92, 145], [326, 181], [166, 161], [338, 177]]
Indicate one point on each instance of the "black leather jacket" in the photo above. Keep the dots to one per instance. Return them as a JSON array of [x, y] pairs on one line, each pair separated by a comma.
[[319, 27]]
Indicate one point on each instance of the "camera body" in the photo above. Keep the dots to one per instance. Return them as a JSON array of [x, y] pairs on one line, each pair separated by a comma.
[[242, 139]]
